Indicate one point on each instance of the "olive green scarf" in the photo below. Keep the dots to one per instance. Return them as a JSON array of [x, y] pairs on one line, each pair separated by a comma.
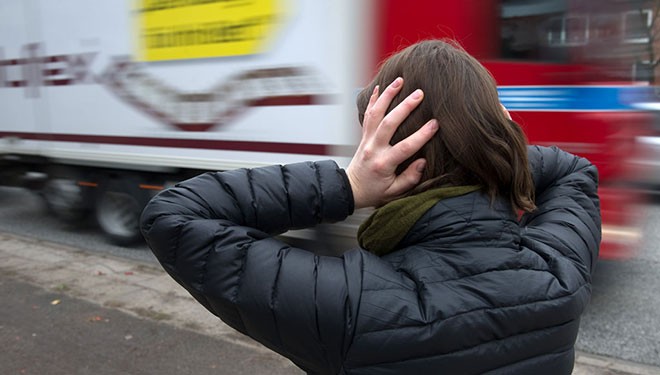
[[385, 228]]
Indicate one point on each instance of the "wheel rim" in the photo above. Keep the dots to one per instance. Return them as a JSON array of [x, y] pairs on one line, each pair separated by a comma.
[[118, 214], [66, 200], [63, 194]]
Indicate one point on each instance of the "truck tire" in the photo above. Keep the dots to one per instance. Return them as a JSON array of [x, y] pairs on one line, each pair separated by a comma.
[[119, 204], [67, 200]]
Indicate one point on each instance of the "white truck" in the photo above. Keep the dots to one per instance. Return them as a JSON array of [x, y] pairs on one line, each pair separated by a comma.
[[105, 102]]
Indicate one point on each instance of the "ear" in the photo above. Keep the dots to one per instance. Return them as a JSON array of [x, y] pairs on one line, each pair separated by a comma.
[[506, 112]]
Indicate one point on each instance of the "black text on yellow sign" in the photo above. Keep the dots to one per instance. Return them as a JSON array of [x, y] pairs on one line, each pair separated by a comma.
[[188, 29]]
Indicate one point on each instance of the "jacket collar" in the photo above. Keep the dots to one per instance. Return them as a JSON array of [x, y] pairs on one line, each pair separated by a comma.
[[382, 232]]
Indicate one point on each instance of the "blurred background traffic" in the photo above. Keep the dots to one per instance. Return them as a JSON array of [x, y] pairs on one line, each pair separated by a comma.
[[106, 104]]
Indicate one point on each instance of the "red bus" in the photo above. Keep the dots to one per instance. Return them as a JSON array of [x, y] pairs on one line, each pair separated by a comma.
[[563, 70]]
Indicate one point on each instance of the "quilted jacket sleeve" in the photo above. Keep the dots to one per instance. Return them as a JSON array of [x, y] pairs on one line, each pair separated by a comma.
[[567, 222], [214, 235]]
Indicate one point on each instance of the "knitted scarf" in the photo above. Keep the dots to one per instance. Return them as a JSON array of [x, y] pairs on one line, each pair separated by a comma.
[[388, 225]]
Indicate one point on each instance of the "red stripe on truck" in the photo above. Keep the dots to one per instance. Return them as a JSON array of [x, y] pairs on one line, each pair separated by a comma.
[[211, 144]]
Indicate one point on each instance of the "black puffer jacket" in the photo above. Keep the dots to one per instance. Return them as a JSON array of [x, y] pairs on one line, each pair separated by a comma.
[[473, 290]]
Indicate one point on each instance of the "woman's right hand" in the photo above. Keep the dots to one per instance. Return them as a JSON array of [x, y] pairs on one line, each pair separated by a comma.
[[372, 171]]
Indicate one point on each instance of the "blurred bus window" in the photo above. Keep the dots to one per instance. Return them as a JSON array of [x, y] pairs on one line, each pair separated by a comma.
[[636, 24], [539, 30], [567, 31]]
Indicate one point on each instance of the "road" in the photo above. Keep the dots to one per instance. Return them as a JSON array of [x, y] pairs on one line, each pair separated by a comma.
[[23, 212], [622, 320]]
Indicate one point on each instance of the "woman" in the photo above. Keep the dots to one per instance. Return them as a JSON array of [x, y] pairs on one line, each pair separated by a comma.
[[477, 260]]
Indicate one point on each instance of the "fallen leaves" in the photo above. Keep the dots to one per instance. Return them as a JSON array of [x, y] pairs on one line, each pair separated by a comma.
[[98, 319]]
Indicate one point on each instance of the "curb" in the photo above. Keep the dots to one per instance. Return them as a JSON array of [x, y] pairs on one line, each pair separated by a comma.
[[591, 364], [145, 290]]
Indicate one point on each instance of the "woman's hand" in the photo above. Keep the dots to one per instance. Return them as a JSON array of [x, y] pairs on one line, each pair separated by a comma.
[[372, 170]]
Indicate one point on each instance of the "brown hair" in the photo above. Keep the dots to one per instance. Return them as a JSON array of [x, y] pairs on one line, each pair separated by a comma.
[[476, 143]]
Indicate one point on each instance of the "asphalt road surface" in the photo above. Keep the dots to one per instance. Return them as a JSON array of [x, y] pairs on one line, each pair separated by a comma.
[[622, 320]]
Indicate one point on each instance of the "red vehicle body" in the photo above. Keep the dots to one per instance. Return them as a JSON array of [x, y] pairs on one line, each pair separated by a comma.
[[593, 118]]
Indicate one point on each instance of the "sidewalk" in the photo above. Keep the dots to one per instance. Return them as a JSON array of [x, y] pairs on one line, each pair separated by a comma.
[[144, 290]]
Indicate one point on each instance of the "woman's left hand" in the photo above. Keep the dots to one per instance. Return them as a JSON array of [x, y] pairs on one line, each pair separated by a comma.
[[372, 172]]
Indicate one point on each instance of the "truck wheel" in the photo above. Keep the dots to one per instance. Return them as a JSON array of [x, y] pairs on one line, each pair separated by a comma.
[[119, 205], [67, 200]]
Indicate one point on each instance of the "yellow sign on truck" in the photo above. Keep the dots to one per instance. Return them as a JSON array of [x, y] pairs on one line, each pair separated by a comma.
[[188, 29]]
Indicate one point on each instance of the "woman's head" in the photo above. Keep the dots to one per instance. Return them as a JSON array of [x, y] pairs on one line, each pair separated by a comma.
[[476, 142]]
